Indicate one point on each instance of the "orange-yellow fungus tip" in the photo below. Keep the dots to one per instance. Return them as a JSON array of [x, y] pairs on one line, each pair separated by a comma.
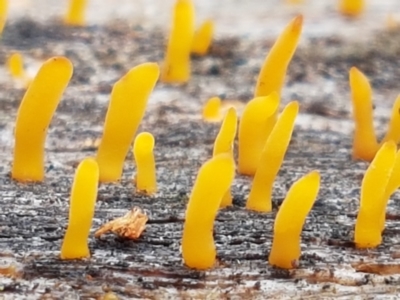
[[290, 219], [81, 210], [224, 144], [127, 106], [351, 8], [393, 132], [34, 116], [176, 66], [212, 110], [202, 38], [213, 180], [3, 14], [76, 13], [260, 197], [146, 181], [368, 228], [365, 144], [273, 70], [256, 123]]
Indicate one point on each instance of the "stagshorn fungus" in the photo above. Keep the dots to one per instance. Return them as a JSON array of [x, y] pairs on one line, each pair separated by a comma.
[[213, 180], [34, 116], [202, 38], [75, 15], [212, 110]]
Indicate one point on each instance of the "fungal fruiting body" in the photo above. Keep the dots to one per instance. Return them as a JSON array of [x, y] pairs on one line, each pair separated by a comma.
[[273, 71], [271, 160], [176, 67], [224, 144], [16, 67], [212, 182], [351, 8], [3, 14], [126, 109], [76, 13], [256, 123], [34, 116], [290, 219], [393, 132], [368, 228], [212, 110], [202, 38], [365, 144], [145, 165], [81, 210], [392, 186]]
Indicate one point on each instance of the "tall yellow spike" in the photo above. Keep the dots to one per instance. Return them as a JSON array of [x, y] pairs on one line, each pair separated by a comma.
[[393, 132], [3, 14]]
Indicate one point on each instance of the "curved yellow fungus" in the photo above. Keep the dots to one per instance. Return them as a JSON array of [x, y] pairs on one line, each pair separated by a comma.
[[213, 180], [176, 67], [212, 110], [3, 14], [34, 116], [81, 210], [224, 144], [76, 13], [202, 38], [351, 8], [392, 186], [273, 71], [290, 220], [393, 132], [367, 233], [145, 165], [125, 112], [365, 144], [271, 160], [256, 123]]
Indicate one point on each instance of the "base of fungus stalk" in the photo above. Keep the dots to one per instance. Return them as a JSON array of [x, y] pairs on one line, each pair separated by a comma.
[[77, 251], [226, 199], [364, 235], [285, 251]]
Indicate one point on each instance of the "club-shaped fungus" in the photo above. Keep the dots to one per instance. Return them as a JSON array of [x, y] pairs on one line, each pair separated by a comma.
[[290, 219], [365, 144], [256, 123], [81, 210], [126, 109], [393, 132], [3, 14], [145, 178], [34, 116], [392, 186], [176, 66], [271, 160], [202, 38], [212, 182], [224, 144], [76, 13], [351, 8], [273, 70], [212, 110], [368, 228], [16, 67]]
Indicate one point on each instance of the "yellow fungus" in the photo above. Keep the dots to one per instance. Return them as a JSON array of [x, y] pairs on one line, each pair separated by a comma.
[[271, 160], [76, 13], [392, 186], [3, 14], [145, 165], [125, 112], [16, 67], [81, 210], [290, 220], [176, 67], [212, 110], [213, 180], [351, 8], [368, 228], [202, 38], [34, 116], [365, 144], [256, 123], [273, 71], [224, 144], [393, 132]]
